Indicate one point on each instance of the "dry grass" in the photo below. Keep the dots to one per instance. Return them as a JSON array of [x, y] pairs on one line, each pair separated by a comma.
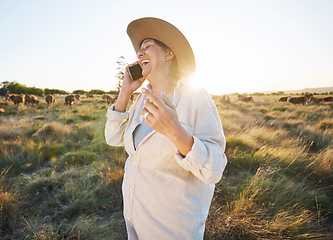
[[62, 181]]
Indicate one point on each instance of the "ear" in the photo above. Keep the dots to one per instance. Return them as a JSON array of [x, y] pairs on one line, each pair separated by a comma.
[[169, 55]]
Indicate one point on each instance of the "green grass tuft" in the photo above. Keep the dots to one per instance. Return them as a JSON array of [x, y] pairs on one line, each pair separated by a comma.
[[79, 158]]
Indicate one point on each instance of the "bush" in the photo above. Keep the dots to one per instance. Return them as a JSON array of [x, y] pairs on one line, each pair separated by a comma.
[[9, 211], [79, 158], [54, 130], [50, 151], [281, 109], [26, 158], [80, 118]]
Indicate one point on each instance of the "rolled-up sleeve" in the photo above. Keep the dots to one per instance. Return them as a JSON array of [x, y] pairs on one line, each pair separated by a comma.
[[115, 127], [207, 159]]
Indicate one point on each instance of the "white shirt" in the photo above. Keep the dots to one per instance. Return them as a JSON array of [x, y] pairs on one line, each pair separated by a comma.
[[166, 195]]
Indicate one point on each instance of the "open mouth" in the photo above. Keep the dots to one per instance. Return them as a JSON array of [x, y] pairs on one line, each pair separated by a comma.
[[144, 62]]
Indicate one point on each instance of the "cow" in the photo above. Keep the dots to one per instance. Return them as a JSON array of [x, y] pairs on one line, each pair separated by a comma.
[[77, 98], [308, 95], [2, 110], [327, 99], [298, 100], [69, 100], [225, 99], [245, 98], [108, 98], [31, 98], [50, 100], [18, 99], [315, 100], [8, 96], [283, 99], [90, 95]]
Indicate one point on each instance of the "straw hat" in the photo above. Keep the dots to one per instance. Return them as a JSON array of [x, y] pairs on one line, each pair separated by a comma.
[[143, 28]]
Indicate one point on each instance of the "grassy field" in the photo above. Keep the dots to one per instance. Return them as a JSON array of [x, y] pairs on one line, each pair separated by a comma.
[[60, 180]]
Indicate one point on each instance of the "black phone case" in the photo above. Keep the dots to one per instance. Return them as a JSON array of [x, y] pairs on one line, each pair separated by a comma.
[[135, 72]]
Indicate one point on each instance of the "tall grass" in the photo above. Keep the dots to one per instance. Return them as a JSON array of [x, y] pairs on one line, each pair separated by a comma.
[[278, 181], [60, 180]]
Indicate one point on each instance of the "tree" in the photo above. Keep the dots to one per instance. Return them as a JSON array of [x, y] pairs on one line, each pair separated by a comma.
[[4, 88], [14, 87], [79, 92], [96, 91], [120, 68], [3, 91], [54, 91]]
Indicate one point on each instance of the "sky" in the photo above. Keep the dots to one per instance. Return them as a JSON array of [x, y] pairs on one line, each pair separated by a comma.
[[239, 45]]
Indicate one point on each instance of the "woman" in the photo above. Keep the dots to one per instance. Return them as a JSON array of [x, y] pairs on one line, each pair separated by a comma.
[[172, 134]]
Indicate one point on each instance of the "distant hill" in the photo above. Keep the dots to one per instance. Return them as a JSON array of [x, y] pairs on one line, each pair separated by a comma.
[[309, 90]]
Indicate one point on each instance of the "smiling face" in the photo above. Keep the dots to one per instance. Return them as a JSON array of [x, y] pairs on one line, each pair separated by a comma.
[[153, 57]]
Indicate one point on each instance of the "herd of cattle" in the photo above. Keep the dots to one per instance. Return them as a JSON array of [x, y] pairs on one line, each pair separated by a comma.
[[21, 99], [27, 99], [303, 99]]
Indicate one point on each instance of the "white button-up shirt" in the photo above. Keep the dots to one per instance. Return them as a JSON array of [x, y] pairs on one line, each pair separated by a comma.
[[166, 195]]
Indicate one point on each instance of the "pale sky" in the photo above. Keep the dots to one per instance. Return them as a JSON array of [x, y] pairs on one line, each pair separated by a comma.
[[240, 46]]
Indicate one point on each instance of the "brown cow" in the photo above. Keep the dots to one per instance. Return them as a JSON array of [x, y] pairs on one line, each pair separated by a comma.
[[225, 99], [90, 95], [298, 100], [69, 100], [315, 100], [245, 98], [18, 99], [31, 98], [77, 98], [327, 99], [308, 95], [50, 100], [283, 99], [8, 96], [108, 98]]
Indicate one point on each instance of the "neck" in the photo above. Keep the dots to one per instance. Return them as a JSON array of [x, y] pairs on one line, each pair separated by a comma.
[[163, 83]]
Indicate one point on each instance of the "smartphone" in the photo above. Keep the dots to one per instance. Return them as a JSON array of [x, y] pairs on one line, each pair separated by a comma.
[[135, 72]]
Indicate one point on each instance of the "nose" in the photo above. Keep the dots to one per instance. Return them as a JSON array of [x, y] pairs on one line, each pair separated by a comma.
[[140, 53]]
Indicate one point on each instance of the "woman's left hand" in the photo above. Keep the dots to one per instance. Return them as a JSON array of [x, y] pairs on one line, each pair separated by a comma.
[[160, 114]]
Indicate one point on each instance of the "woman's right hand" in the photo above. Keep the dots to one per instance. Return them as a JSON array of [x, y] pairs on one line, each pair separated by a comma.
[[127, 89], [128, 84]]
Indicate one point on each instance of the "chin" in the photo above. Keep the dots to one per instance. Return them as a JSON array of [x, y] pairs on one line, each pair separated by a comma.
[[145, 74]]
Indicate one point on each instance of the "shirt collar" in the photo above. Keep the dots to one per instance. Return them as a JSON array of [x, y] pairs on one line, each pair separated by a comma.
[[180, 83]]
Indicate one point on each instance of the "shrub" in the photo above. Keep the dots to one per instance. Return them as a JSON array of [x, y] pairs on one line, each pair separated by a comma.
[[238, 143], [50, 151], [26, 158], [81, 135], [9, 206], [54, 130], [281, 109], [326, 125], [79, 158], [8, 132], [94, 227], [8, 210], [80, 118]]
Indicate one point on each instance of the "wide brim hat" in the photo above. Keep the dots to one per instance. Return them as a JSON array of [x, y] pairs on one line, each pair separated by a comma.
[[163, 31]]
